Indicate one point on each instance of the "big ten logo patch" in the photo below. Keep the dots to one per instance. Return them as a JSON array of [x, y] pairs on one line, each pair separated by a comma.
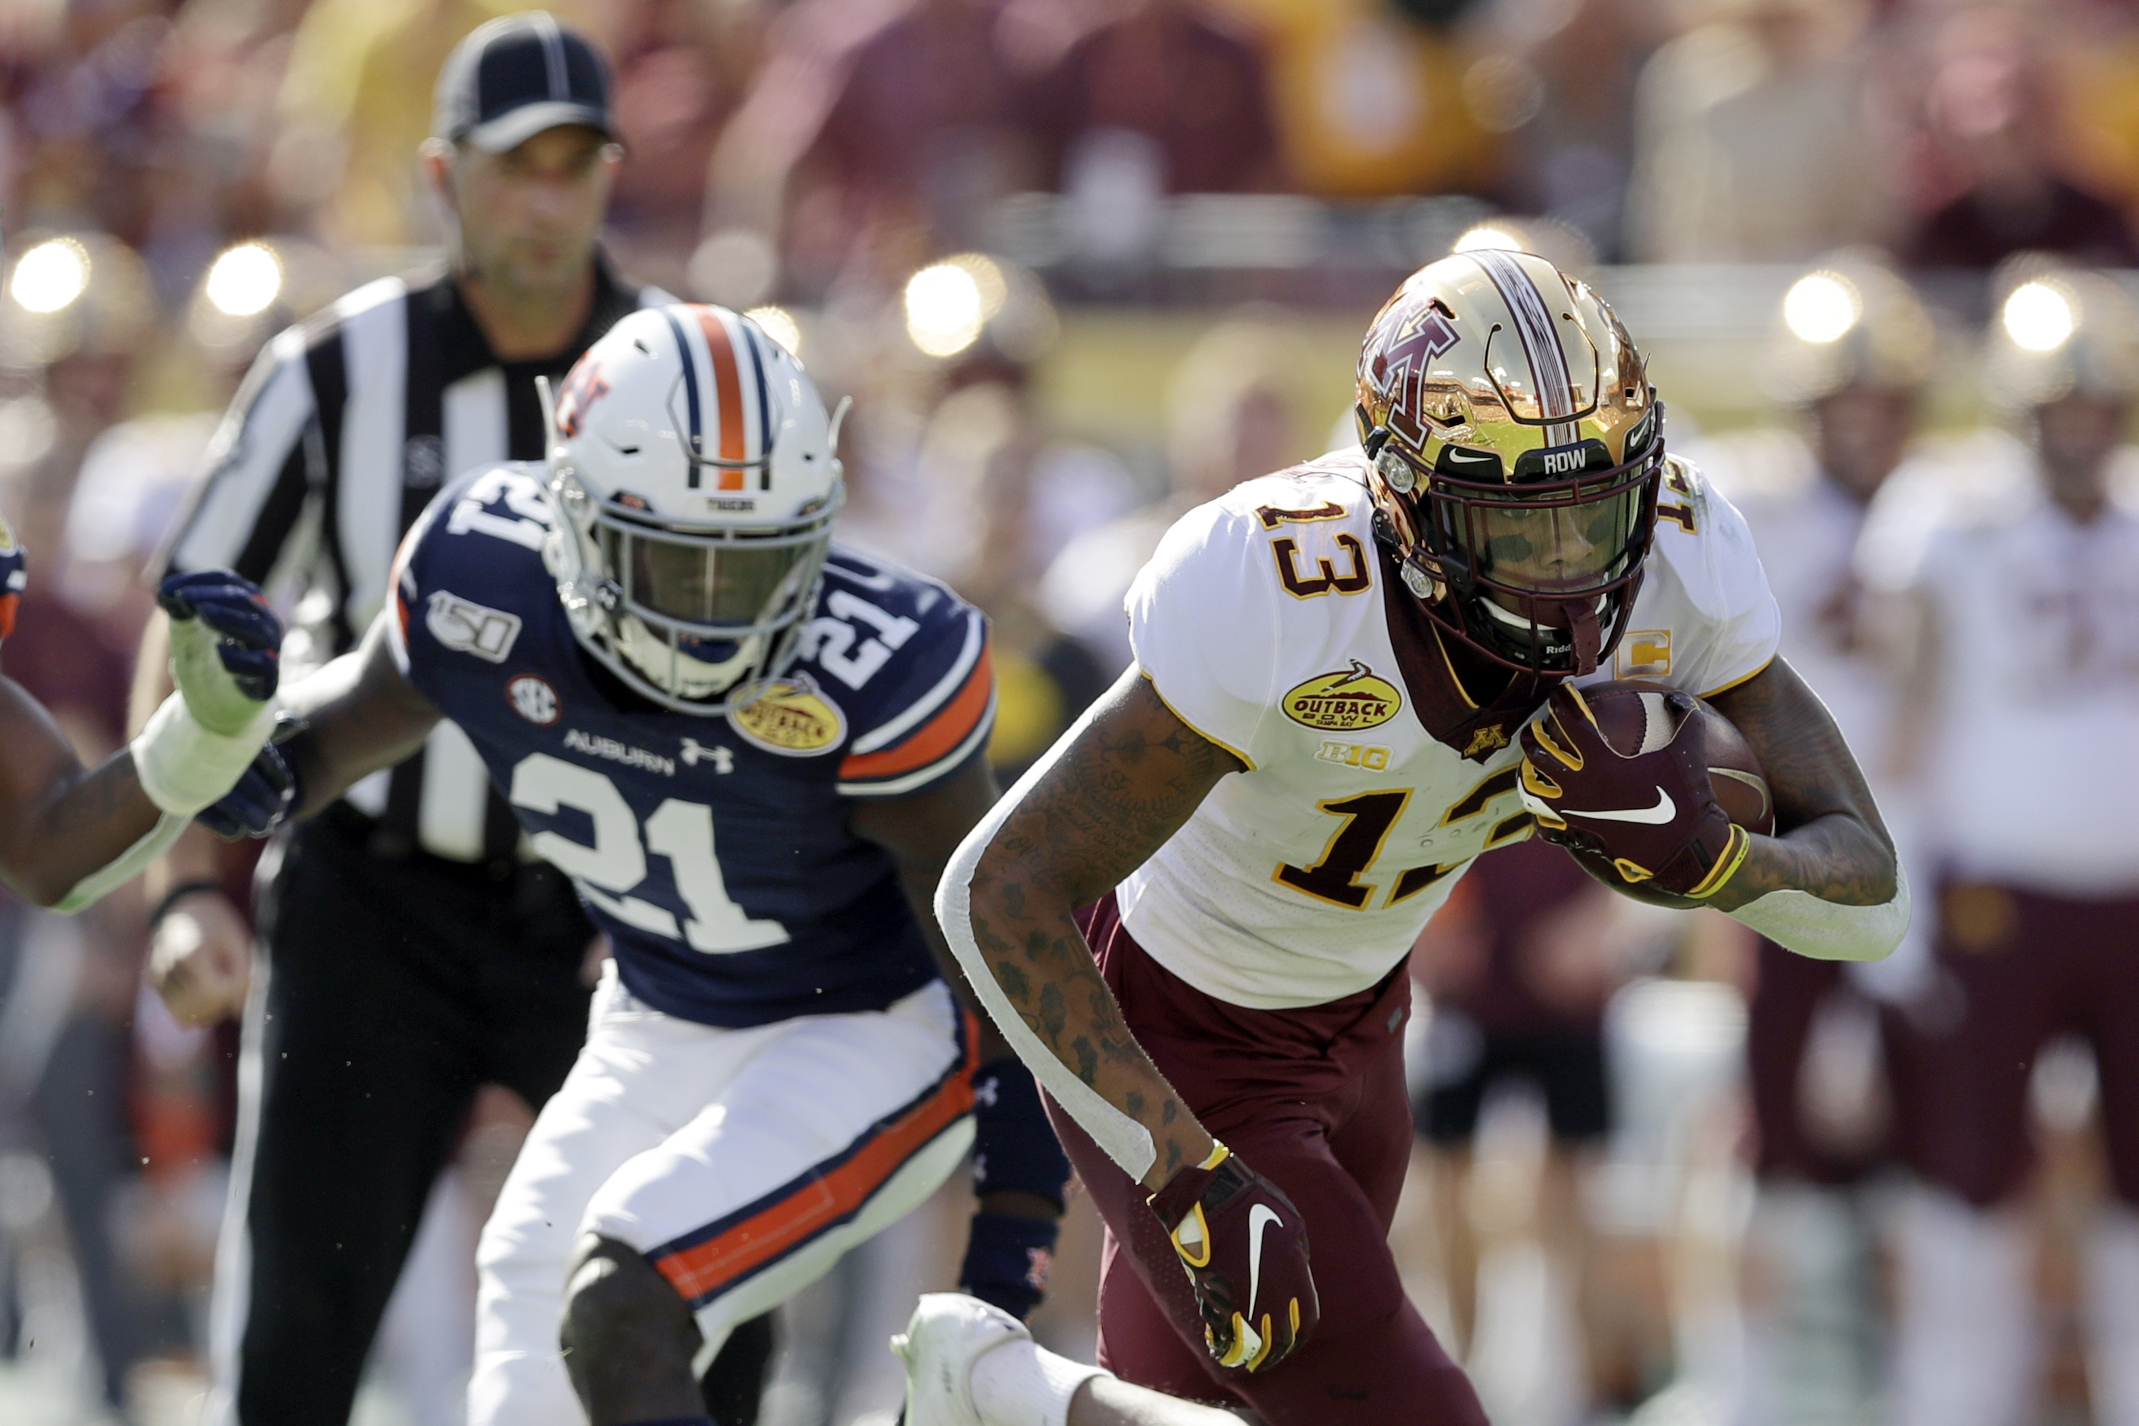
[[1643, 653], [1343, 702], [1359, 755]]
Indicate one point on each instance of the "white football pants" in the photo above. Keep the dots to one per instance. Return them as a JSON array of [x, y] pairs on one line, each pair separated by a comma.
[[741, 1162]]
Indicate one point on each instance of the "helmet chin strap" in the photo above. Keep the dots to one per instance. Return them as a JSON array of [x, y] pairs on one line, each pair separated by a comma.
[[1579, 619]]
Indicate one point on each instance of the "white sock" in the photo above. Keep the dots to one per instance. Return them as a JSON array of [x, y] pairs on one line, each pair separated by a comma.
[[1965, 1350], [2112, 1270], [1022, 1384]]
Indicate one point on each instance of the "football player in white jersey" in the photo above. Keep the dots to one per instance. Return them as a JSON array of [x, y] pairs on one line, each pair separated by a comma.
[[2026, 691], [1852, 355], [1333, 667]]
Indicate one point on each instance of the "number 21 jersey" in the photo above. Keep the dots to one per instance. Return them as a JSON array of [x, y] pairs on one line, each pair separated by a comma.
[[713, 851]]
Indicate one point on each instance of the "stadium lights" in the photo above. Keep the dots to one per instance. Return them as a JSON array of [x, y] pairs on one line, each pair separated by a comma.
[[1489, 237], [779, 324], [949, 303], [245, 280], [2038, 317], [50, 276], [1821, 307]]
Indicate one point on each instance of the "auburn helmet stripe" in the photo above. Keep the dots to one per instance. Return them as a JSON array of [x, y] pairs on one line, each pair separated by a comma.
[[727, 384], [1541, 344]]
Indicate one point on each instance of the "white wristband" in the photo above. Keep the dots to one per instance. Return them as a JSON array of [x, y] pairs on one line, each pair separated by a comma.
[[126, 866], [183, 767], [1827, 930]]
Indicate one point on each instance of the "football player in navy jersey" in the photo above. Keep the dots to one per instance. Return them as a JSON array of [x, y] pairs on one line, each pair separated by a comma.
[[70, 834], [754, 753]]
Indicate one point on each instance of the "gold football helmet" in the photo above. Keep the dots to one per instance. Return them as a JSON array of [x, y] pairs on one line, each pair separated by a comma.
[[1514, 446]]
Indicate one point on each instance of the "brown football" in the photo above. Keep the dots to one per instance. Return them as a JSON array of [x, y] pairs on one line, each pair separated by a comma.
[[1634, 717]]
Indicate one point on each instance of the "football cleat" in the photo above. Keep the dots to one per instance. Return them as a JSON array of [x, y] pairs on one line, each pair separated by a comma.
[[948, 1333]]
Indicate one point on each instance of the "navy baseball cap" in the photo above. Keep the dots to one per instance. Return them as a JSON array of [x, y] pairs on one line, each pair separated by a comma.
[[517, 75]]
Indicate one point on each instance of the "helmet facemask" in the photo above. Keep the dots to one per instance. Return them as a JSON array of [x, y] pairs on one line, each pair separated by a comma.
[[693, 482], [686, 613], [1535, 572]]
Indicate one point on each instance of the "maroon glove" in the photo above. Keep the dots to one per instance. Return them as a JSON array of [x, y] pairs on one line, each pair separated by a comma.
[[1650, 813], [1245, 1248]]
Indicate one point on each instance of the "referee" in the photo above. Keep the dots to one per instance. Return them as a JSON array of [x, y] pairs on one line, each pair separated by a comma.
[[411, 955]]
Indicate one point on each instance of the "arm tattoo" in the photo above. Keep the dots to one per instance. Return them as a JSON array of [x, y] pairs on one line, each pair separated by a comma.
[[1829, 838], [1133, 775]]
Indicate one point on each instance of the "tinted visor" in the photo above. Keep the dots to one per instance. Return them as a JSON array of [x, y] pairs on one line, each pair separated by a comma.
[[1578, 542], [739, 584]]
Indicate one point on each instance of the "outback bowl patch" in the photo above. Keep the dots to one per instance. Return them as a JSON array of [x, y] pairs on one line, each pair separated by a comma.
[[789, 716], [1343, 701]]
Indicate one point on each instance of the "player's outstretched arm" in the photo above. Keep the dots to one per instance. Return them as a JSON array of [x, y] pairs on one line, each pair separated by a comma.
[[1108, 795], [59, 822], [1828, 883], [360, 714]]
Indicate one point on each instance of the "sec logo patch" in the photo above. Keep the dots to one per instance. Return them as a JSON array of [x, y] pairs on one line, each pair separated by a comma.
[[791, 717], [1342, 702], [533, 699]]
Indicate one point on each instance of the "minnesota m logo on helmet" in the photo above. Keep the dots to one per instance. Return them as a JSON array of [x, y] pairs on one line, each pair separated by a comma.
[[1515, 446]]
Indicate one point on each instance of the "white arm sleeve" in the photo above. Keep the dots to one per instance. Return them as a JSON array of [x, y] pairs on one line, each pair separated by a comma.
[[128, 865], [183, 767], [1126, 1142], [1826, 930]]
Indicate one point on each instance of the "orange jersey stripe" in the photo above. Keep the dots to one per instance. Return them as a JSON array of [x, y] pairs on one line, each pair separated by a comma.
[[938, 735], [751, 1244], [728, 388]]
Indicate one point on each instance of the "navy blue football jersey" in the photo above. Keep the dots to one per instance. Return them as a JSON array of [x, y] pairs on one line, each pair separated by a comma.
[[713, 851]]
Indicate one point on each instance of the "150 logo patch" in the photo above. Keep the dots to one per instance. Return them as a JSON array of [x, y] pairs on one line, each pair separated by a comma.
[[467, 627]]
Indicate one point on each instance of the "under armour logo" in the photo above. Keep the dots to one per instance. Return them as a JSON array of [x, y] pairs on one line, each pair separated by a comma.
[[987, 1091], [423, 462], [723, 759]]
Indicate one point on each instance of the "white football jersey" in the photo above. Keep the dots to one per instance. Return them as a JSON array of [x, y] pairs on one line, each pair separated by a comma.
[[2031, 783], [1261, 623]]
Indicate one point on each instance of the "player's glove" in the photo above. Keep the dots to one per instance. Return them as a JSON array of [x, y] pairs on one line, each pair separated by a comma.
[[265, 795], [1245, 1249], [1652, 816], [226, 647]]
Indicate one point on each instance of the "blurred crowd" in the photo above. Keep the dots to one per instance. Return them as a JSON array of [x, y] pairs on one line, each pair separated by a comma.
[[1727, 1186]]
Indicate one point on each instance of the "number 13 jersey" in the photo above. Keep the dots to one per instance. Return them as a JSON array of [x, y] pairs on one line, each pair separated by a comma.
[[1264, 624], [714, 852]]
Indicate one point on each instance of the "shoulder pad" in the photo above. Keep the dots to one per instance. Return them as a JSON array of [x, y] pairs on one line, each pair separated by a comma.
[[909, 661]]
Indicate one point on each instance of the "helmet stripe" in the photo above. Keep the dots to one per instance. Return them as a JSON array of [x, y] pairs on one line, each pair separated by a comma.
[[1541, 344], [751, 338], [690, 392], [728, 390]]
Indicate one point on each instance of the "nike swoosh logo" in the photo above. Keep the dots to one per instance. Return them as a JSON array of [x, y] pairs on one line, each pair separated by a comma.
[[1458, 454], [1664, 810], [1260, 1217]]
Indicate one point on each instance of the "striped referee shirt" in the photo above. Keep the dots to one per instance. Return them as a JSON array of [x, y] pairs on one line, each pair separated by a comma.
[[343, 430]]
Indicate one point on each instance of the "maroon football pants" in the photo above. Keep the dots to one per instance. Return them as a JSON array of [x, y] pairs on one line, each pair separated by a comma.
[[2029, 967], [1314, 1100]]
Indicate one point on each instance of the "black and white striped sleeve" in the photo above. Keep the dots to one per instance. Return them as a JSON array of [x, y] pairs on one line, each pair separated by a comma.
[[260, 470]]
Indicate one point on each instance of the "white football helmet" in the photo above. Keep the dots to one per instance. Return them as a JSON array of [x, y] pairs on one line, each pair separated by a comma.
[[694, 482]]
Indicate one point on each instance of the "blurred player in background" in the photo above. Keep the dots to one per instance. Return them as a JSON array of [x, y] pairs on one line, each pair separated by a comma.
[[753, 753], [2023, 697], [1511, 524], [1519, 965], [1854, 353]]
